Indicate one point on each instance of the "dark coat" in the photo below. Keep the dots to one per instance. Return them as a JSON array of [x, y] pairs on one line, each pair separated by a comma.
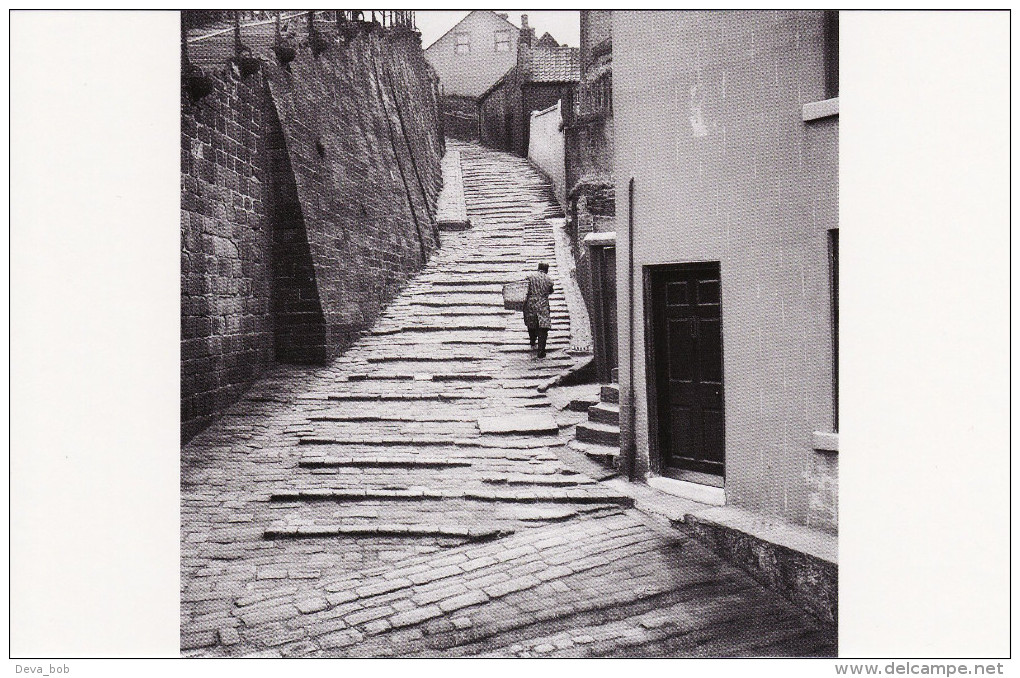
[[536, 303]]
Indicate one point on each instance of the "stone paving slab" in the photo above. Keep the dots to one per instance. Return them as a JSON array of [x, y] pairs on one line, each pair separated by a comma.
[[518, 423]]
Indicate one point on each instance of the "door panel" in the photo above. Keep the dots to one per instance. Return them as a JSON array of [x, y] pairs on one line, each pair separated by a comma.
[[680, 344], [687, 358], [710, 351]]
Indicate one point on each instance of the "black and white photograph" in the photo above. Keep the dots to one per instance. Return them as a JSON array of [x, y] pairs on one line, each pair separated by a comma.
[[516, 334], [508, 347]]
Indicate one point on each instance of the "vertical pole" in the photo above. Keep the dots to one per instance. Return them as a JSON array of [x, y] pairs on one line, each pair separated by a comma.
[[630, 439]]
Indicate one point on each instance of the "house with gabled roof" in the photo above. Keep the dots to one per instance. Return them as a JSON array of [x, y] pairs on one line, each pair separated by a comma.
[[475, 53]]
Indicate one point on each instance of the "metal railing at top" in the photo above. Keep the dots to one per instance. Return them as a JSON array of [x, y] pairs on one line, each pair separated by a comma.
[[387, 18], [254, 32]]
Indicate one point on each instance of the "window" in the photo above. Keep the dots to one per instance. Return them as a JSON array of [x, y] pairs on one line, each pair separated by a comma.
[[463, 43], [830, 36], [834, 292], [502, 41]]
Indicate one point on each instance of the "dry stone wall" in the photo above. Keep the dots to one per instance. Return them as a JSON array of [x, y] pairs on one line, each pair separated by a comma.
[[308, 198]]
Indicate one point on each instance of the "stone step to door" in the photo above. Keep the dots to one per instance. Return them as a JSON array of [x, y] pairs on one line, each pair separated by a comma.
[[605, 413], [602, 434], [581, 404], [610, 393], [547, 480], [607, 456]]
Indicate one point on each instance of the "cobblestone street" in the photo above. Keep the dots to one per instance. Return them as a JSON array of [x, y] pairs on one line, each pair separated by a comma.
[[416, 497]]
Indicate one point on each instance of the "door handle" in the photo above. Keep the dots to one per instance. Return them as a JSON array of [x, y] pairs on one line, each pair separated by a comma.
[[694, 328]]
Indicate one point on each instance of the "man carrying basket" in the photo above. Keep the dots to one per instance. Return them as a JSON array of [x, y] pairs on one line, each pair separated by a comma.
[[536, 307]]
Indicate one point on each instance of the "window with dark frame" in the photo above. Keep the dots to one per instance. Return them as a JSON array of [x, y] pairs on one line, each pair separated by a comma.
[[502, 41], [834, 312], [463, 45], [830, 38]]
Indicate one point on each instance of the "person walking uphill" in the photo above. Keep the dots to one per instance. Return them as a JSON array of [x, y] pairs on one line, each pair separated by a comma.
[[536, 307]]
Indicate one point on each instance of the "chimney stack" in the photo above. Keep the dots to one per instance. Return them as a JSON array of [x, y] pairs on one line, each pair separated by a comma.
[[527, 33]]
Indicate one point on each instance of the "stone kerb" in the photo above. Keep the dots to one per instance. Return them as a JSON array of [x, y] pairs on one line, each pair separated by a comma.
[[452, 210]]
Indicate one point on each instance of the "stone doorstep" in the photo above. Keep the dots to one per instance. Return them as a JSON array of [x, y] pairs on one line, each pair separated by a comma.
[[815, 544], [799, 562]]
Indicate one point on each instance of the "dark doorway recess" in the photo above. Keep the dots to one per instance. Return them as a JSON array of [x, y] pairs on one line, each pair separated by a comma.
[[685, 371]]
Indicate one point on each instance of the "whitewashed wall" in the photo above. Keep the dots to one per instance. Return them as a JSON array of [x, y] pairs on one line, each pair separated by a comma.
[[545, 148]]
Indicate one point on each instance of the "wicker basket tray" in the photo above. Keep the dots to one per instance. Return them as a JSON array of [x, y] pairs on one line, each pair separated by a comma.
[[514, 294]]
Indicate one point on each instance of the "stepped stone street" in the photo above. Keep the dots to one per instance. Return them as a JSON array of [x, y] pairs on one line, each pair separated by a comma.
[[416, 496]]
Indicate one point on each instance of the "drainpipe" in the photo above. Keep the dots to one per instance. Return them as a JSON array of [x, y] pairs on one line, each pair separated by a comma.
[[629, 437]]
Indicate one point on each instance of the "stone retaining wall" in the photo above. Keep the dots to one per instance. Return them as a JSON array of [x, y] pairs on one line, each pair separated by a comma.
[[308, 198]]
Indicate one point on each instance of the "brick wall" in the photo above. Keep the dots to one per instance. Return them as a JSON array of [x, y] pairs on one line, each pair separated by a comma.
[[307, 200], [226, 275], [499, 115], [596, 34], [460, 117], [360, 125]]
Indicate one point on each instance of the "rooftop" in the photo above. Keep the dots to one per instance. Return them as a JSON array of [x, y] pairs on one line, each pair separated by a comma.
[[558, 64]]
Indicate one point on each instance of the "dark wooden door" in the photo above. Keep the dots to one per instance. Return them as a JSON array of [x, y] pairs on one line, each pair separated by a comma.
[[687, 364]]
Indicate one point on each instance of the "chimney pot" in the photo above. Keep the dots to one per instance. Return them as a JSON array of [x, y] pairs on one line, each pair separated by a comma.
[[524, 21]]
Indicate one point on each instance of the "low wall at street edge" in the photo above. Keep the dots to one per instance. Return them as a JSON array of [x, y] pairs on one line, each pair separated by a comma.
[[308, 198], [545, 148]]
